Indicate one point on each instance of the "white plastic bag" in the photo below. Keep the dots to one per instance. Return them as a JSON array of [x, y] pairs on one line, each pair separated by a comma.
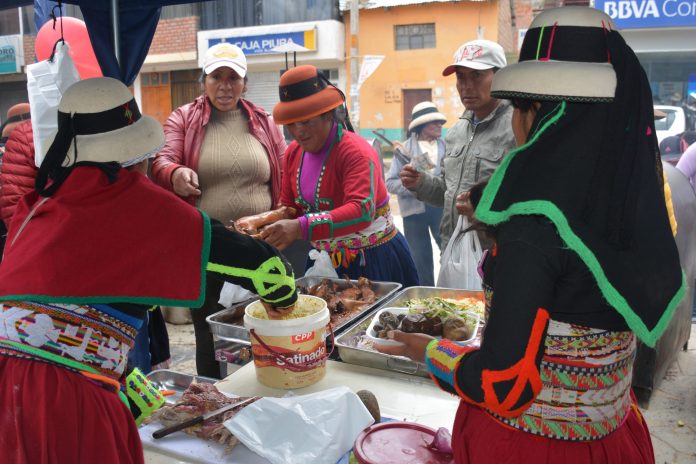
[[233, 293], [46, 83], [459, 263], [317, 428], [322, 267]]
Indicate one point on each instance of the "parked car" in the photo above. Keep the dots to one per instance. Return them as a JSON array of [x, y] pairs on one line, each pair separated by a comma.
[[673, 124]]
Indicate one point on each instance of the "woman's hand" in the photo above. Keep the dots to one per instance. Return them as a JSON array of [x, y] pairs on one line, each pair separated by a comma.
[[282, 233], [413, 345], [464, 206], [185, 182], [410, 178]]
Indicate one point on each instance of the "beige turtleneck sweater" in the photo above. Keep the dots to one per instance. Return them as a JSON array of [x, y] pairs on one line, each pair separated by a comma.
[[233, 170]]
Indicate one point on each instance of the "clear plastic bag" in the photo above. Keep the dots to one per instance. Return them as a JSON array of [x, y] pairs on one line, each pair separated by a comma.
[[322, 267]]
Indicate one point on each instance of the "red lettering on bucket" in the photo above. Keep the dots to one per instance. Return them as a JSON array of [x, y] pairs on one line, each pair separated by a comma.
[[301, 338]]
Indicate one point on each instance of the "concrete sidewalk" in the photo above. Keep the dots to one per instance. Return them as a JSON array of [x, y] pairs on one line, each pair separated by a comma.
[[671, 415]]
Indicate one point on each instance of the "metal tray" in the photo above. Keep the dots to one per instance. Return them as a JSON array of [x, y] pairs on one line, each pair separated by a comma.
[[228, 324], [178, 382], [365, 357]]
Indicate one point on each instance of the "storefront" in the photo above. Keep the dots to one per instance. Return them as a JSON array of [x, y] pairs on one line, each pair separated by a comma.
[[13, 82], [663, 34], [319, 43]]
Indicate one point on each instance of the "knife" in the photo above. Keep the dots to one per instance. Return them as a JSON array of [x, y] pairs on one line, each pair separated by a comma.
[[163, 432]]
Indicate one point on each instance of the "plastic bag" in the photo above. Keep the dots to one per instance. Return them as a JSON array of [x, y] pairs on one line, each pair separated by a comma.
[[459, 263], [47, 81], [233, 293], [318, 428], [322, 267]]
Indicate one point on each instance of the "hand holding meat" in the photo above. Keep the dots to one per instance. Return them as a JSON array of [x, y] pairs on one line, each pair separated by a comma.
[[413, 345], [282, 233], [252, 224], [277, 313]]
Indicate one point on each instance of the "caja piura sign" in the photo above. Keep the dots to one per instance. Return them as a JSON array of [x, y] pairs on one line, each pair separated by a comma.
[[640, 14]]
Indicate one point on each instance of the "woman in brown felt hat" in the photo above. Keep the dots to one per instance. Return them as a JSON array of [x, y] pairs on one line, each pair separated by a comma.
[[333, 191]]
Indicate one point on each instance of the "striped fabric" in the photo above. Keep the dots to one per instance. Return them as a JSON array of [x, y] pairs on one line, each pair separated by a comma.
[[75, 333], [442, 358], [586, 376]]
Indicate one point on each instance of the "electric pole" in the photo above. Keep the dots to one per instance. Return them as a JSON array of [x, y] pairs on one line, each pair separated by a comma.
[[354, 66]]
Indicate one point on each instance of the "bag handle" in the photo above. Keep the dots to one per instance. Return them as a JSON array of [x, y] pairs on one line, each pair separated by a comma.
[[289, 364]]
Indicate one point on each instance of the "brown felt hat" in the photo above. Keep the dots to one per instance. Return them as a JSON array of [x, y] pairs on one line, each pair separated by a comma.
[[304, 94]]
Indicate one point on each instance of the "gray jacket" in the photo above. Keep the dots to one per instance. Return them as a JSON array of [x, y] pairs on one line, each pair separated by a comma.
[[408, 203], [472, 154]]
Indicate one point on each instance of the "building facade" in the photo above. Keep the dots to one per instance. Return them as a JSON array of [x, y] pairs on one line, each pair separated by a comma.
[[417, 40]]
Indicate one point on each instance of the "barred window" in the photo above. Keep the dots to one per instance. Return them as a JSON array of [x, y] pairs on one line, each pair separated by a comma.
[[411, 36]]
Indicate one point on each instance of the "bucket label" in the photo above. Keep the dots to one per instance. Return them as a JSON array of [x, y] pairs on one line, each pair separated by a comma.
[[297, 357], [302, 338]]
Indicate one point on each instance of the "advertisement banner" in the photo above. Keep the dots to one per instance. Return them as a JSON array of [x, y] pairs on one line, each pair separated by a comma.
[[642, 14], [265, 44], [368, 66], [11, 56]]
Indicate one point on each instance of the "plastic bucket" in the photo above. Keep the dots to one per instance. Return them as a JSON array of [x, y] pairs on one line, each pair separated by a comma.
[[289, 353]]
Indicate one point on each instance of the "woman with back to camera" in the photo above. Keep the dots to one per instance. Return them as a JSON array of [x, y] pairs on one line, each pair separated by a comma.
[[333, 191], [584, 261], [424, 150], [222, 154]]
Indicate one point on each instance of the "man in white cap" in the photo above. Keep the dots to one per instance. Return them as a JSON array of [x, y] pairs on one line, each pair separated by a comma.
[[476, 144]]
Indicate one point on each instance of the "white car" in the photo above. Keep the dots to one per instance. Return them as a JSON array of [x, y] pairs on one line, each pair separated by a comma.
[[673, 124]]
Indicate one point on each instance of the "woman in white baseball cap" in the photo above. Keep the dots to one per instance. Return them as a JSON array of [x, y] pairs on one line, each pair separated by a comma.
[[222, 154]]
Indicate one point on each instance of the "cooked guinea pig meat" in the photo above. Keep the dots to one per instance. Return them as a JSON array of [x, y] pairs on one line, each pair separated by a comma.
[[418, 323]]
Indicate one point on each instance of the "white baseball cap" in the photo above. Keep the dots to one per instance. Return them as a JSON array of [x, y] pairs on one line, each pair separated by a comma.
[[478, 54], [225, 54]]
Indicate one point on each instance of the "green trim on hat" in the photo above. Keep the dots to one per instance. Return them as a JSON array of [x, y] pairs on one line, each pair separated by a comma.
[[548, 209]]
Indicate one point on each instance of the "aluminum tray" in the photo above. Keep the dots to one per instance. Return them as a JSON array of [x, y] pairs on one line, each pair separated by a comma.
[[228, 324], [178, 382], [369, 358]]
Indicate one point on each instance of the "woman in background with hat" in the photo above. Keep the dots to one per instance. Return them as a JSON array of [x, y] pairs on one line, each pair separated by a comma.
[[584, 263], [424, 150], [88, 252], [224, 155], [333, 187]]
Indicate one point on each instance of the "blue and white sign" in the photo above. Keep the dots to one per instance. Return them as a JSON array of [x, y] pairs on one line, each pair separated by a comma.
[[11, 57], [264, 44], [642, 14]]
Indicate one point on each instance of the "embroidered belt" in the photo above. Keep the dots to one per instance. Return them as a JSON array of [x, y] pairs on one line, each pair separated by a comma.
[[586, 380], [344, 250], [78, 337]]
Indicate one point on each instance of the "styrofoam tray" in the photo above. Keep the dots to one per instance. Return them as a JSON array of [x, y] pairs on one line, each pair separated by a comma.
[[372, 333]]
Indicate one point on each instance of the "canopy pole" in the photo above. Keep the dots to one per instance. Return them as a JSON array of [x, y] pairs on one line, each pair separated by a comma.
[[115, 25]]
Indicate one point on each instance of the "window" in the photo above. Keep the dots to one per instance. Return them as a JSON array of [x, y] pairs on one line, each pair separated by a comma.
[[220, 14], [412, 36]]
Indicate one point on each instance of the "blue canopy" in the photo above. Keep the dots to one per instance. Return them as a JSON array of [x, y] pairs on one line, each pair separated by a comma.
[[120, 41]]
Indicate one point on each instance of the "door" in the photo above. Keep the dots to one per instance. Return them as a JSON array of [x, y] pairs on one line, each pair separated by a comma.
[[156, 95], [411, 98]]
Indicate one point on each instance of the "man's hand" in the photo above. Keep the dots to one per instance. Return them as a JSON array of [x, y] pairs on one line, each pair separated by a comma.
[[464, 206], [413, 345], [410, 178], [185, 182], [282, 233], [277, 313]]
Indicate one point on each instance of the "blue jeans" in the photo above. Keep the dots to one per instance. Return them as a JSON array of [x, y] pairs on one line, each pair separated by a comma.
[[417, 229]]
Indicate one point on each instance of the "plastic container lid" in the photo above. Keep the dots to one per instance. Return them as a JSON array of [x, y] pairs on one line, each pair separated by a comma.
[[398, 443]]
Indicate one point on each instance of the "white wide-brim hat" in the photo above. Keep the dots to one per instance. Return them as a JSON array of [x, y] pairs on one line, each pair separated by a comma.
[[423, 113], [564, 56], [108, 124]]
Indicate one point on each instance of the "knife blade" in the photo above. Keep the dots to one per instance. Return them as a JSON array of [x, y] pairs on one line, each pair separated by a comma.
[[163, 432]]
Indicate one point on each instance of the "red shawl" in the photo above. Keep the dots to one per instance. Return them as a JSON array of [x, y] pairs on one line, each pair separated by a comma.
[[129, 241]]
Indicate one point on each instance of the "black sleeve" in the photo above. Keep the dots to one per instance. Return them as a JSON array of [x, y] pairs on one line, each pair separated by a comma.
[[252, 264], [503, 375]]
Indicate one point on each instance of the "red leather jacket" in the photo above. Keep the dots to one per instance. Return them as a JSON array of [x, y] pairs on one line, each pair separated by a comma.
[[184, 132], [18, 172]]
